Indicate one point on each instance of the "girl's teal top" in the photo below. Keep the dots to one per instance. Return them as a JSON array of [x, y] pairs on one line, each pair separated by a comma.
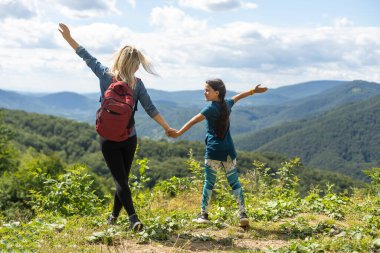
[[217, 148]]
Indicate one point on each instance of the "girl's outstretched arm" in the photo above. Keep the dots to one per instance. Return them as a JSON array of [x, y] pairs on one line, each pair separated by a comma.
[[65, 31], [196, 119], [245, 94]]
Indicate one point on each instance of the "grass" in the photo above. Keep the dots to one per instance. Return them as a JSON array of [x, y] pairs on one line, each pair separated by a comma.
[[281, 221]]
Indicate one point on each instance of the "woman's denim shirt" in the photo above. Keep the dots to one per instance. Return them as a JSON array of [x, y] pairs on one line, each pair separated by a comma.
[[105, 79]]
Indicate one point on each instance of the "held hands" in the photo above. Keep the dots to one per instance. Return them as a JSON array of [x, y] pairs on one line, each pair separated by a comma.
[[172, 133]]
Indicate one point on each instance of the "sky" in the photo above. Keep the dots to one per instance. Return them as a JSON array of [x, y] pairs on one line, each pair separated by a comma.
[[243, 42]]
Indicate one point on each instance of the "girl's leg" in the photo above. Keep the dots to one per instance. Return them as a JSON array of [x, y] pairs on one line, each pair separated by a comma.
[[233, 180], [211, 167]]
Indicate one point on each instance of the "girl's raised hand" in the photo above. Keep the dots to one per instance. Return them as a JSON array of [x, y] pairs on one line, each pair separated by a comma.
[[259, 89]]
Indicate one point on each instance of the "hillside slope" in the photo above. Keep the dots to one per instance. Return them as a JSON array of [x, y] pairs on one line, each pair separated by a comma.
[[345, 139], [76, 142]]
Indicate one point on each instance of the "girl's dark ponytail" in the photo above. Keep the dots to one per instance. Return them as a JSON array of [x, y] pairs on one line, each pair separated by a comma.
[[222, 123]]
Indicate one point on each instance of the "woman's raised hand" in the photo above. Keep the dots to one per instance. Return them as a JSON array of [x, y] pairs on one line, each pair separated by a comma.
[[65, 31]]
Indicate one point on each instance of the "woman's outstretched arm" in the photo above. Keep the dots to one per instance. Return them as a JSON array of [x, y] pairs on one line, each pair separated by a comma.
[[161, 121], [196, 119], [65, 31], [245, 94]]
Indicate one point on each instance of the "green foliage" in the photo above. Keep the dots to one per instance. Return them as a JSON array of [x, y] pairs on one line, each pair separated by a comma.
[[8, 154], [107, 236], [330, 204], [160, 228], [71, 193], [176, 185], [374, 174], [280, 189], [277, 201], [15, 185], [287, 181], [139, 181], [300, 228], [173, 186], [27, 237]]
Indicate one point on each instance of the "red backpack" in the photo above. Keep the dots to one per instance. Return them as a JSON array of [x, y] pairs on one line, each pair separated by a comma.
[[115, 117]]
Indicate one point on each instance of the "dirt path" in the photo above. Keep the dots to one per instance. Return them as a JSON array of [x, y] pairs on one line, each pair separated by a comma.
[[200, 240]]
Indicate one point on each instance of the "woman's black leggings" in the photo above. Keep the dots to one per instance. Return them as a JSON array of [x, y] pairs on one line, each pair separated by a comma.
[[119, 157]]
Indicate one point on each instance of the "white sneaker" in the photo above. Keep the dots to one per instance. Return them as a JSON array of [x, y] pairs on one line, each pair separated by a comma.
[[201, 218]]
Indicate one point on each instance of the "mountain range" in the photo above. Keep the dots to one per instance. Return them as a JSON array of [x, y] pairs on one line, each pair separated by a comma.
[[329, 124], [249, 115]]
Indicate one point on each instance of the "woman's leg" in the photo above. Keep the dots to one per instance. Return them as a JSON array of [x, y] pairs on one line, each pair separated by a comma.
[[115, 155]]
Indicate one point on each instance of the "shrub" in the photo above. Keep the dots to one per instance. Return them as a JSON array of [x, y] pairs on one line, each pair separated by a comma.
[[71, 194]]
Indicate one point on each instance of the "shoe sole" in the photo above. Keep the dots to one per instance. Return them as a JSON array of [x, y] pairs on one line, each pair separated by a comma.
[[138, 226], [200, 220], [244, 222]]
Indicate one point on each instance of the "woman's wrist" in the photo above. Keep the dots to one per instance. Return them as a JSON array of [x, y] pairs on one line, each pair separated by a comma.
[[251, 92]]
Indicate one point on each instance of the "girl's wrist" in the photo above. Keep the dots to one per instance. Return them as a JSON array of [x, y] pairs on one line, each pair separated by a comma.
[[251, 92]]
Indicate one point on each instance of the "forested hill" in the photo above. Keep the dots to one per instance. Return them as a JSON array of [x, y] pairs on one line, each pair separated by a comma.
[[345, 139], [76, 142]]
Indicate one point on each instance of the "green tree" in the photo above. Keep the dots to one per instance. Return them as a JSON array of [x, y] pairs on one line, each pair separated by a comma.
[[8, 154]]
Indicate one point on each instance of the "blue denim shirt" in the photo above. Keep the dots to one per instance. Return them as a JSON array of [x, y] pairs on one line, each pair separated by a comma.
[[105, 79]]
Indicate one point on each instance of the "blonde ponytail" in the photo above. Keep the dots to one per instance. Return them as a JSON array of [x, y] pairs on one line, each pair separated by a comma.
[[126, 62]]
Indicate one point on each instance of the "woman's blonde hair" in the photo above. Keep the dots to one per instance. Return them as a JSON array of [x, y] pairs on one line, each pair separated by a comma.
[[127, 60]]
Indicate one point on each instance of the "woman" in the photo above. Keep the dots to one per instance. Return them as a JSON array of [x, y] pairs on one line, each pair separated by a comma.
[[119, 155]]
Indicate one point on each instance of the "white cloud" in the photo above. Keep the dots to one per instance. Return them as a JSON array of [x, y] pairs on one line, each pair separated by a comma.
[[24, 33], [186, 51], [216, 5], [17, 9], [86, 8], [248, 5], [28, 9], [174, 20], [340, 22]]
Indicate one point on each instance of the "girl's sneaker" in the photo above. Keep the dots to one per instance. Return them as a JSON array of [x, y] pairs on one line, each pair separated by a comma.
[[244, 222], [134, 223], [202, 217]]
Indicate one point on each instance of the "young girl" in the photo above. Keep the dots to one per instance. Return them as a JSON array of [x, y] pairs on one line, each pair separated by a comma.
[[220, 150], [119, 155]]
